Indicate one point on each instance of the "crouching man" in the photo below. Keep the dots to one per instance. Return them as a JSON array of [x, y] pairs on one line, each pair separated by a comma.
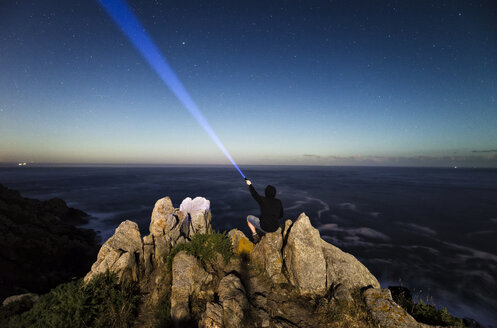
[[271, 212]]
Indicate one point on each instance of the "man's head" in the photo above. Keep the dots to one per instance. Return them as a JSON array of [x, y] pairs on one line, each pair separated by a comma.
[[270, 191]]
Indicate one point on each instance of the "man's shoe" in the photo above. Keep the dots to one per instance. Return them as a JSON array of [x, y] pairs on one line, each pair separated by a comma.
[[255, 238]]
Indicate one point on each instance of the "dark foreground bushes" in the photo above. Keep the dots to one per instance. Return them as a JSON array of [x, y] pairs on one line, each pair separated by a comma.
[[100, 303]]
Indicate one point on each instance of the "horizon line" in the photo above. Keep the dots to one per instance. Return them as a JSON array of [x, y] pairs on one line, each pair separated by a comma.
[[48, 164]]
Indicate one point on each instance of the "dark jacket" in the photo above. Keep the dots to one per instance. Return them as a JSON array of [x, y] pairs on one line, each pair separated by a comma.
[[271, 211]]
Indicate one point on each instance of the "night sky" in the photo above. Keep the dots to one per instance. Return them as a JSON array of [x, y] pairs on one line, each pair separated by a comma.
[[281, 82]]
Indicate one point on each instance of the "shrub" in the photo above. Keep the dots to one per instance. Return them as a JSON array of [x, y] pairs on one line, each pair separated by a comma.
[[429, 314], [204, 247], [100, 303]]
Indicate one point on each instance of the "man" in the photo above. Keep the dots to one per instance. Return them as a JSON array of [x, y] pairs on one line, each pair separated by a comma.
[[271, 212]]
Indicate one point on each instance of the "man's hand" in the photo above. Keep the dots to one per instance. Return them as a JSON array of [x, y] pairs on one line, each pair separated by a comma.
[[248, 182]]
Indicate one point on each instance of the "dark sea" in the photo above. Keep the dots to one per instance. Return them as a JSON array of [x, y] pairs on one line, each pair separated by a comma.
[[433, 230]]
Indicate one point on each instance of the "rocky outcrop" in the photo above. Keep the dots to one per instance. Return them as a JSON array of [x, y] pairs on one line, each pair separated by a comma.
[[120, 254], [170, 226], [282, 281], [304, 258], [39, 245]]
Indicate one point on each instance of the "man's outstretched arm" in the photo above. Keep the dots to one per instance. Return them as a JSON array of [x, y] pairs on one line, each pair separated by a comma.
[[253, 192]]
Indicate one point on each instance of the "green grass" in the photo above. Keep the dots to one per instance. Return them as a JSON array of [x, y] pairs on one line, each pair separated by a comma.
[[100, 303], [204, 247]]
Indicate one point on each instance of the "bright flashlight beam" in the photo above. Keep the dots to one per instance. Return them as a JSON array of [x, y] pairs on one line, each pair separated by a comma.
[[131, 27]]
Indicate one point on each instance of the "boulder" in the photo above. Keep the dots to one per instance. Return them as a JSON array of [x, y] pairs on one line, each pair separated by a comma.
[[386, 312], [344, 269], [120, 254], [240, 244], [30, 297], [267, 255], [304, 258], [188, 277], [234, 301]]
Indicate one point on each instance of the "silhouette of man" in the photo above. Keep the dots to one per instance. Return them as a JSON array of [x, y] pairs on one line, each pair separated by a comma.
[[271, 212]]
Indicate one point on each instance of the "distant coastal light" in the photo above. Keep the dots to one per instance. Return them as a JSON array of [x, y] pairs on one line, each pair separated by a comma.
[[22, 164]]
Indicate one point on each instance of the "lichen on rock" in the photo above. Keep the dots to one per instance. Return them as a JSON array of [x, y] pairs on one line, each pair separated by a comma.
[[241, 245]]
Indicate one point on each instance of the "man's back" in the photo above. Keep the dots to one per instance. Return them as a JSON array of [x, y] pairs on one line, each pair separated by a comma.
[[271, 210]]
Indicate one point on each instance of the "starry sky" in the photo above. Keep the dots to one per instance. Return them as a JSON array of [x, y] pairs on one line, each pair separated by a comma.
[[411, 83]]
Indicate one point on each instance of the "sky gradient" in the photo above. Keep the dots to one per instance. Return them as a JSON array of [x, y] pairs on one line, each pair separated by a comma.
[[280, 82]]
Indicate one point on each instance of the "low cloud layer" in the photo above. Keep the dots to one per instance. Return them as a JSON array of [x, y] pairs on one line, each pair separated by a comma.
[[485, 151], [486, 158]]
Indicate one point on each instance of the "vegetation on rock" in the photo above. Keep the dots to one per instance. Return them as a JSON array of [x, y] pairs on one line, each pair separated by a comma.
[[429, 314], [100, 303], [204, 247]]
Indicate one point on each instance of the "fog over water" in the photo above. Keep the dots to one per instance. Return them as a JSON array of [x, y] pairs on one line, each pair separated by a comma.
[[432, 230]]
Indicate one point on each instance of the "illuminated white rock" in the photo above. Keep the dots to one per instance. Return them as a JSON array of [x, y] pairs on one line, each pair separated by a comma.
[[189, 205]]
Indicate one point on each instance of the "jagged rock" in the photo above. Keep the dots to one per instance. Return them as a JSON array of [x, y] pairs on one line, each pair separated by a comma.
[[188, 278], [170, 226], [162, 220], [304, 259], [240, 243], [343, 268], [212, 317], [120, 253], [31, 297], [162, 223], [199, 214], [386, 312], [267, 254], [234, 301]]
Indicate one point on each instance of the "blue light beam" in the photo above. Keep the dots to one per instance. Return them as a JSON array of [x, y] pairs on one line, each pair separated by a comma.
[[131, 27]]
